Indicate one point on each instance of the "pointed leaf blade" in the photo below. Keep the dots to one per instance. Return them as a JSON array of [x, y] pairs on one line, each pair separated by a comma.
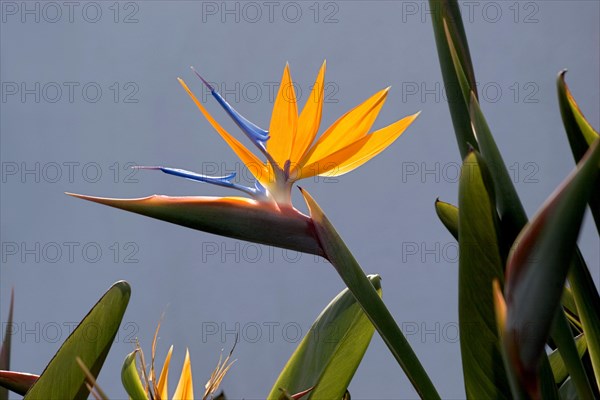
[[538, 265], [448, 11], [131, 379], [63, 378], [580, 133], [570, 356], [448, 214], [480, 264], [587, 300], [341, 258], [559, 368], [331, 351]]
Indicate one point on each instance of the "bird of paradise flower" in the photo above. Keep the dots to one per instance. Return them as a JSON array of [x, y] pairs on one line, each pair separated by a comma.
[[292, 152], [142, 384]]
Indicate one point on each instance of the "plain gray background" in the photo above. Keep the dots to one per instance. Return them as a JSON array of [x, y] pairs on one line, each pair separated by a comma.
[[208, 286]]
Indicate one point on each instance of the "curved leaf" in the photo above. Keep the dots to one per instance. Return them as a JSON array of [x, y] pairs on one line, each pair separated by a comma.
[[331, 351], [480, 264], [91, 383], [581, 135], [538, 265], [570, 355], [90, 341], [131, 379], [580, 132], [559, 369], [448, 12], [511, 211], [448, 214], [587, 300], [355, 279], [567, 390]]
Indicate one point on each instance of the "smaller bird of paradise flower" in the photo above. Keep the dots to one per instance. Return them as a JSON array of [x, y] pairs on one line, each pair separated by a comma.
[[291, 152], [157, 389]]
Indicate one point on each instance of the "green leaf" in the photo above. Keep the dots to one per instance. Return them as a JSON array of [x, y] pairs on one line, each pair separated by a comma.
[[512, 214], [588, 305], [580, 132], [581, 135], [95, 389], [91, 340], [465, 86], [6, 343], [131, 379], [447, 12], [331, 351], [569, 354], [510, 209], [537, 269], [559, 369], [284, 395], [338, 254], [567, 390], [568, 302], [480, 264], [448, 214], [18, 382]]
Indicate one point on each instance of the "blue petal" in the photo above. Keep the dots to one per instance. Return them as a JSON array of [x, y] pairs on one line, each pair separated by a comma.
[[260, 188], [225, 181], [216, 180], [258, 135]]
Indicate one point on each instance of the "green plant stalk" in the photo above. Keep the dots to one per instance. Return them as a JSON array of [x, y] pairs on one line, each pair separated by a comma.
[[338, 254], [562, 335], [513, 216], [458, 111], [479, 265], [323, 366], [588, 304]]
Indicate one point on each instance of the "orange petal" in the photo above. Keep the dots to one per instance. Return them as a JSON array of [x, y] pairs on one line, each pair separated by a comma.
[[284, 121], [185, 387], [310, 119], [253, 163], [163, 381], [499, 306], [359, 152], [352, 126], [330, 162]]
